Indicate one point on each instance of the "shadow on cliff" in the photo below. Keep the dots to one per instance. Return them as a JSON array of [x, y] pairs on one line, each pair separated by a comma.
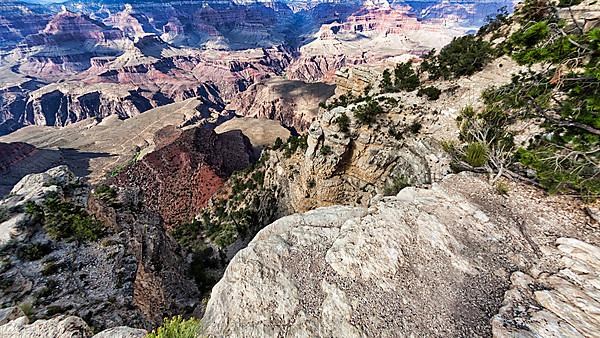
[[40, 160]]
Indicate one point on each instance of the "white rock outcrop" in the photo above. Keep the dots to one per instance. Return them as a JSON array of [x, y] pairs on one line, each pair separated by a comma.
[[30, 188], [425, 263], [60, 327]]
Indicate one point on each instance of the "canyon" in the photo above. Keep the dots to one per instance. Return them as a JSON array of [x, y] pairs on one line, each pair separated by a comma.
[[290, 168], [131, 58]]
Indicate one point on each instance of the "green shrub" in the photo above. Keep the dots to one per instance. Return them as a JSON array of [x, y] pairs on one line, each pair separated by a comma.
[[343, 122], [6, 282], [278, 143], [4, 214], [106, 194], [27, 309], [415, 127], [494, 23], [50, 268], [502, 188], [386, 84], [462, 57], [65, 220], [177, 327], [33, 251], [476, 154], [325, 150], [405, 78], [431, 92], [294, 143], [569, 3], [397, 184], [367, 113]]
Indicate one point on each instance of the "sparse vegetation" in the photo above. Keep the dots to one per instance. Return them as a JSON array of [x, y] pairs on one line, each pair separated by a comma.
[[405, 78], [64, 220], [33, 251], [502, 188], [495, 22], [367, 113], [564, 95], [50, 268], [395, 186], [177, 327], [343, 122], [325, 150], [278, 143], [432, 93], [476, 154], [293, 144], [343, 100], [27, 309], [106, 194], [121, 167], [4, 214], [386, 85], [415, 127]]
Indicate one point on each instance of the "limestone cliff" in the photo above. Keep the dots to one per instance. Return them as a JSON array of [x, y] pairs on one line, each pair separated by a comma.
[[427, 262]]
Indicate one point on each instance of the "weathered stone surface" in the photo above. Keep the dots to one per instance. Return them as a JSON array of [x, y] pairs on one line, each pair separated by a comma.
[[564, 303], [122, 332], [352, 166], [35, 186], [11, 313], [427, 262], [58, 327], [295, 104]]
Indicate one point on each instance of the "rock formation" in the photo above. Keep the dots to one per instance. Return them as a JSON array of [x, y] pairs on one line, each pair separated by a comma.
[[349, 167], [135, 275], [67, 44], [92, 149], [294, 104], [261, 132], [18, 20], [58, 327], [430, 262], [179, 178]]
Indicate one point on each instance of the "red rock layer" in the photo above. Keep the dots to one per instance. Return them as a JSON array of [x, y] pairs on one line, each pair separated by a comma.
[[179, 178]]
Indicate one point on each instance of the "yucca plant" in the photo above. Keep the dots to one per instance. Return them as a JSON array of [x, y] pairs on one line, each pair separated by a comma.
[[476, 154]]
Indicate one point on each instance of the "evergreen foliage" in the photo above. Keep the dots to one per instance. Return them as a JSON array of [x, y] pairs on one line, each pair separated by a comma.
[[564, 94], [464, 56]]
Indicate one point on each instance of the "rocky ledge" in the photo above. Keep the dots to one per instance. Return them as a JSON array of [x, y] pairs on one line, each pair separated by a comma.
[[95, 256], [458, 259]]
